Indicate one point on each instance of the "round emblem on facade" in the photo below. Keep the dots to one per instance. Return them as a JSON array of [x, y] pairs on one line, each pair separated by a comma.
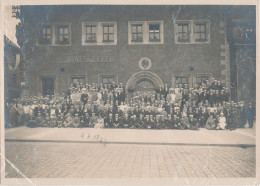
[[145, 63]]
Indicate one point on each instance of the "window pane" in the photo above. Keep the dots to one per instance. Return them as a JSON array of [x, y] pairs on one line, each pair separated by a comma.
[[203, 28], [156, 36], [111, 29], [88, 29], [133, 29], [179, 28], [94, 29], [105, 29], [111, 80], [139, 29], [197, 35], [154, 27], [104, 80], [66, 31], [203, 36], [111, 37], [48, 31], [105, 37], [197, 28], [134, 37], [185, 28], [61, 30]]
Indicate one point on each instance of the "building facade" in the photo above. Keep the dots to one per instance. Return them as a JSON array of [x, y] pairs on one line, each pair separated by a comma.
[[143, 47], [12, 70]]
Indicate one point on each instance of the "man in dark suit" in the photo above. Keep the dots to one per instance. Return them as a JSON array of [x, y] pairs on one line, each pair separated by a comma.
[[108, 121]]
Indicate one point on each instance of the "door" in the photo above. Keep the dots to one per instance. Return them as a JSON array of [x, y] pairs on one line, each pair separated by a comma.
[[145, 87], [47, 86]]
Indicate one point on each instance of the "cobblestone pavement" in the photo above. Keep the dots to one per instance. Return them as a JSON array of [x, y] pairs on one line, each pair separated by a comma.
[[89, 160]]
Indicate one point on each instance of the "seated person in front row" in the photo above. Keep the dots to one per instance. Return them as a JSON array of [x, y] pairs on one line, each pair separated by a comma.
[[133, 122], [108, 121], [116, 122], [221, 122], [125, 122], [211, 122], [193, 123]]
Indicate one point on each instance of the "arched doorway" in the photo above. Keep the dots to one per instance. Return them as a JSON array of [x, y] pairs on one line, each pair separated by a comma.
[[143, 81]]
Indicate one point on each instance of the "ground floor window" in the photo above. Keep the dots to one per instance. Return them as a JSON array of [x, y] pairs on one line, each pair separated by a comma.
[[182, 80], [107, 79], [201, 79], [80, 80]]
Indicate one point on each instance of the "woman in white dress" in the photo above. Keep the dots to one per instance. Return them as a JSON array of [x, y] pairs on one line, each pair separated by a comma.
[[221, 121]]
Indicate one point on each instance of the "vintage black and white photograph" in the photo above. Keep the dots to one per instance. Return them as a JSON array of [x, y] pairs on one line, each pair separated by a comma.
[[130, 92]]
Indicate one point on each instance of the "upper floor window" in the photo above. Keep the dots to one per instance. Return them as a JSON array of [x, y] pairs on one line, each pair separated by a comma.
[[145, 32], [192, 32], [200, 32], [154, 32], [91, 33], [108, 33], [183, 33], [99, 33], [63, 37], [137, 32], [45, 34]]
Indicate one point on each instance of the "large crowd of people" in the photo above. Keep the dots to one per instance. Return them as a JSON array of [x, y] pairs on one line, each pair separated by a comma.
[[110, 106]]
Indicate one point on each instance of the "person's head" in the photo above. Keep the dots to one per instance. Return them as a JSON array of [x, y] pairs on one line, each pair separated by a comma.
[[191, 116]]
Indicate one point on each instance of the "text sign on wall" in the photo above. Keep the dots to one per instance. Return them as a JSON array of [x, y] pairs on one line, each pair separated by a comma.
[[91, 59]]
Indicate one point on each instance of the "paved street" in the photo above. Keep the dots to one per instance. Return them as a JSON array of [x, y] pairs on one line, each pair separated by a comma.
[[101, 160]]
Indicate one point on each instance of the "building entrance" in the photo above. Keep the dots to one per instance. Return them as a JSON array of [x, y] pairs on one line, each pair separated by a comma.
[[143, 82], [47, 86]]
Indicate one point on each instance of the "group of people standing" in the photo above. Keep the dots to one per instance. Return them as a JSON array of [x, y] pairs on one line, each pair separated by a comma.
[[110, 106]]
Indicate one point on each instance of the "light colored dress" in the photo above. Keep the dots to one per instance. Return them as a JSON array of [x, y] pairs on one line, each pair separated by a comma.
[[222, 122]]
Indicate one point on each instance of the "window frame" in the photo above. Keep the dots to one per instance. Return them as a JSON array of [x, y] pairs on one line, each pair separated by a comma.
[[99, 33], [146, 32], [91, 34], [182, 76], [108, 33], [192, 31], [188, 33], [137, 33], [201, 75], [58, 34], [153, 32]]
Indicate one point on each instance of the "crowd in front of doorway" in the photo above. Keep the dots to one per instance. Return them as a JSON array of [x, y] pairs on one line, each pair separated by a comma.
[[110, 106]]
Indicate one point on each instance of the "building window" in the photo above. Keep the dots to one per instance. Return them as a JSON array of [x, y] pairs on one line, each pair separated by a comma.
[[200, 32], [108, 33], [91, 33], [145, 32], [45, 34], [107, 80], [201, 79], [63, 35], [192, 32], [99, 33], [183, 33], [181, 80], [78, 80], [137, 33], [154, 32]]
